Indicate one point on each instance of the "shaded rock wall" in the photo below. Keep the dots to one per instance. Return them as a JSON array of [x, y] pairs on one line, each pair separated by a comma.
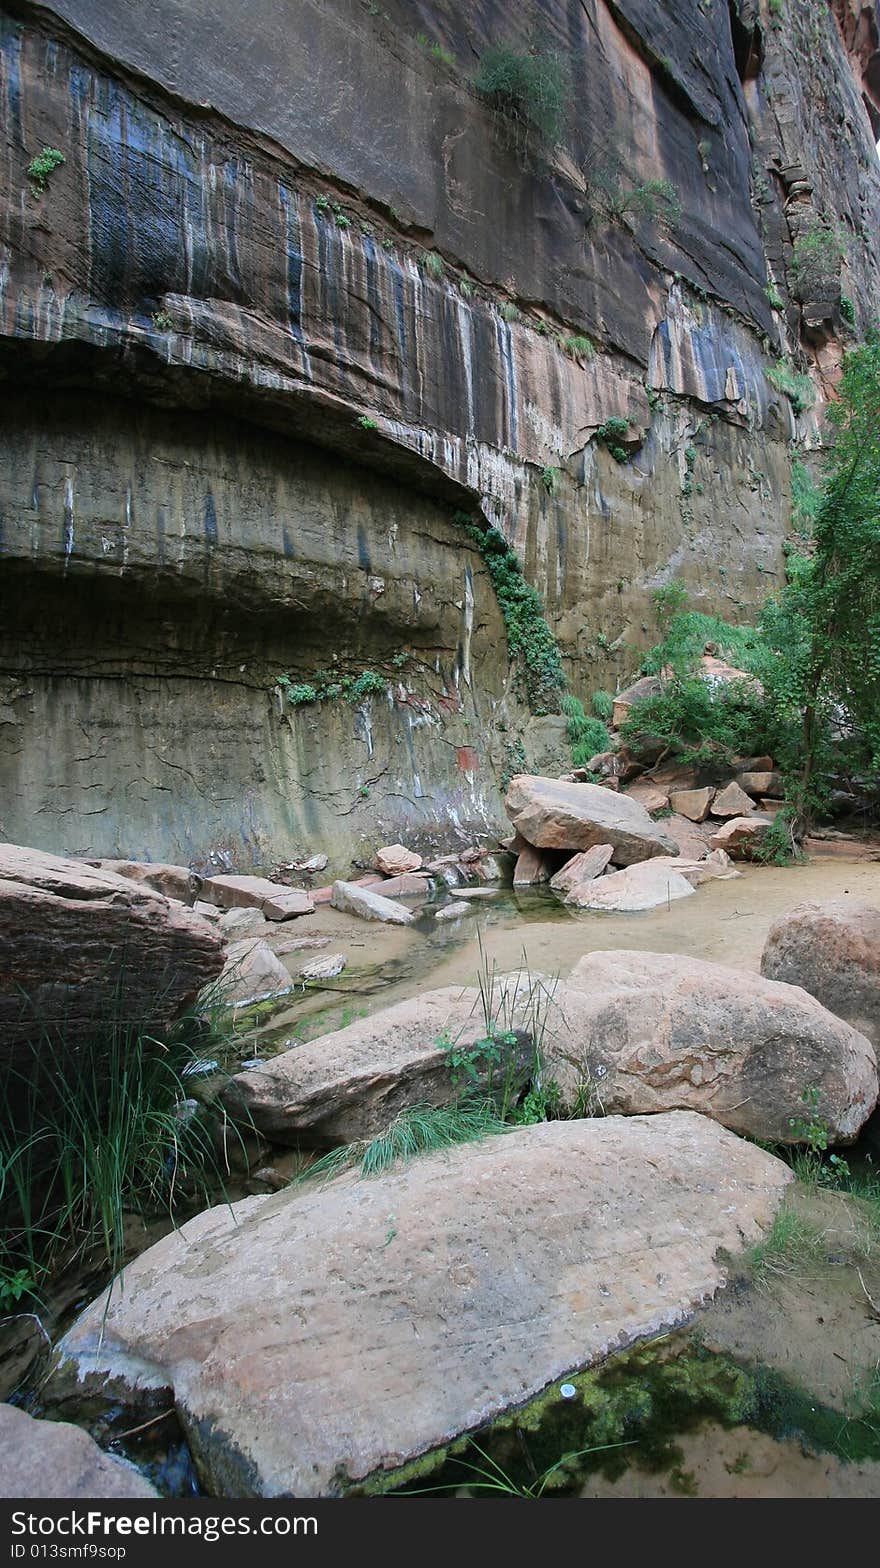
[[292, 299]]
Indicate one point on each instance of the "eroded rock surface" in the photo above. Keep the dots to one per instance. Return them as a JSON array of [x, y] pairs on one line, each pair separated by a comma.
[[82, 946], [832, 949], [658, 1031], [318, 1337]]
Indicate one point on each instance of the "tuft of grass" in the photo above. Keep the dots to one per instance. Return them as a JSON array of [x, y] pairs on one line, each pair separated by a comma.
[[791, 1246], [433, 264], [93, 1130], [796, 387], [579, 346], [416, 1130]]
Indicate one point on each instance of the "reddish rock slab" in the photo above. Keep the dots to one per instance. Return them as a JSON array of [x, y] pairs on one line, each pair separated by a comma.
[[757, 783], [581, 869], [395, 860], [741, 836], [82, 946], [242, 892], [533, 866]]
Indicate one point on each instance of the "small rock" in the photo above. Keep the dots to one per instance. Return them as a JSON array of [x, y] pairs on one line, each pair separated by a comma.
[[478, 892], [396, 860], [690, 838], [648, 686], [238, 923], [251, 974], [362, 901], [533, 867], [649, 795], [732, 802], [55, 1459], [692, 803], [326, 968], [741, 835], [294, 944], [276, 903], [760, 783], [581, 869], [455, 910], [409, 884], [201, 1069]]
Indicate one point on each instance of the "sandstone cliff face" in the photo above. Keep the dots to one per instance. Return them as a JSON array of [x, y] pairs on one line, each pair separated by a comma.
[[291, 300]]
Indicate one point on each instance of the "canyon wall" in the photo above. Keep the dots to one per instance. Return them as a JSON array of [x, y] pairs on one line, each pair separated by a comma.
[[293, 306]]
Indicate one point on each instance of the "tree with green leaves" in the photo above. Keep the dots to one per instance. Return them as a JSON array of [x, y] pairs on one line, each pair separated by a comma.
[[834, 593]]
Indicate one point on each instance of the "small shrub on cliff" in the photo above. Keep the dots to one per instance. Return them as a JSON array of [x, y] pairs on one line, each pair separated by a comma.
[[611, 434], [798, 388], [529, 92], [40, 168], [815, 263]]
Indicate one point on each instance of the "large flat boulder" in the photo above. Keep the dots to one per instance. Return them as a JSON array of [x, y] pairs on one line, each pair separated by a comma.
[[324, 1335], [351, 1084], [82, 946], [56, 1459], [657, 1032], [647, 885], [553, 814], [832, 949]]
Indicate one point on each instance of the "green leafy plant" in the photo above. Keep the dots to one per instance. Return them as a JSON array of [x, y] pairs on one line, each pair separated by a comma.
[[586, 735], [40, 168], [847, 310], [579, 346], [602, 704], [815, 263], [508, 311], [774, 298], [368, 684], [162, 321], [614, 431], [433, 264], [798, 388], [299, 694], [15, 1286], [530, 642], [529, 94], [550, 479], [366, 423]]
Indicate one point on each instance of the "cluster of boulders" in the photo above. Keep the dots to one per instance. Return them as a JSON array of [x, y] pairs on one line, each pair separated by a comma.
[[734, 815], [601, 850], [452, 1289]]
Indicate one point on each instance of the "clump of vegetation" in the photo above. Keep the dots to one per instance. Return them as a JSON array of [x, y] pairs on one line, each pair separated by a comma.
[[366, 423], [774, 298], [162, 321], [90, 1133], [602, 704], [611, 434], [529, 93], [530, 642], [805, 497], [419, 1129], [509, 312], [815, 263], [578, 346], [326, 687], [798, 388], [550, 479], [613, 196], [847, 310], [585, 734], [433, 264], [40, 168], [435, 50]]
